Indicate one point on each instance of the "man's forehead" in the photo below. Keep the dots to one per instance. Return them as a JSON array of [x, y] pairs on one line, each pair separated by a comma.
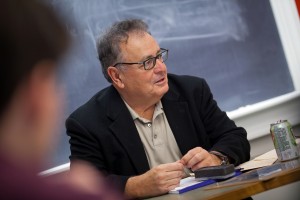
[[141, 43]]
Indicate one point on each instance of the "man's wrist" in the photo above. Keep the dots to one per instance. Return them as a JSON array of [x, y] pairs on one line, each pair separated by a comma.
[[223, 158], [131, 190]]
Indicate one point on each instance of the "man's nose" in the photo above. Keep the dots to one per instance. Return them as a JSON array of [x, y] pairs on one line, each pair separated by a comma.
[[159, 66]]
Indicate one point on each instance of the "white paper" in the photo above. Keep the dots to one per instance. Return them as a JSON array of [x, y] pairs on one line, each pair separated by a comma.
[[184, 183], [263, 160]]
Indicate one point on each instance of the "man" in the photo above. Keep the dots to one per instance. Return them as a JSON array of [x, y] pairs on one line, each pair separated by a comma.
[[149, 126], [32, 41]]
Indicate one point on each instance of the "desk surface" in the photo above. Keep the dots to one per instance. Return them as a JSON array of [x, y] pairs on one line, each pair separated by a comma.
[[245, 185]]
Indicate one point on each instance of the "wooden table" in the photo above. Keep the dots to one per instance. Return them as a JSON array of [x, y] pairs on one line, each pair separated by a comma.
[[245, 185]]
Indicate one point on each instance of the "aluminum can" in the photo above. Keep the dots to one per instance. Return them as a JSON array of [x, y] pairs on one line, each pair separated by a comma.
[[284, 140]]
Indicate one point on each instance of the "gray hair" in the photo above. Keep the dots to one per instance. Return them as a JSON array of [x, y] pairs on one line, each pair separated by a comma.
[[108, 45]]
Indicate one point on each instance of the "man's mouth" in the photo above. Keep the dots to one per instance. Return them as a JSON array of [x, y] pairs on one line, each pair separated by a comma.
[[160, 80]]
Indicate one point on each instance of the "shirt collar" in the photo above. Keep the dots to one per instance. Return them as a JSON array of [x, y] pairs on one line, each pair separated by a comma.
[[157, 111]]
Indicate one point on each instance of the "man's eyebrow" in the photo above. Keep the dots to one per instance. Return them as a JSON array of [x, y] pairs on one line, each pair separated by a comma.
[[150, 56]]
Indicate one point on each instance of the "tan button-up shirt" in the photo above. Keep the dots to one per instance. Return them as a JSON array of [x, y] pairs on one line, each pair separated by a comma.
[[157, 137]]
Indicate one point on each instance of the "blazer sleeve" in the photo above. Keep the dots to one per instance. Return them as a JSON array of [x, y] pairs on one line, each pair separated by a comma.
[[224, 135], [84, 146]]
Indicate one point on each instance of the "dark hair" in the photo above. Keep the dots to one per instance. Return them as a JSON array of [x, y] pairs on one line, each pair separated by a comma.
[[29, 33], [108, 46]]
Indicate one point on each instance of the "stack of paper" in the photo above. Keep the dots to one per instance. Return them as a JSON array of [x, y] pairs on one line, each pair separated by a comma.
[[263, 160]]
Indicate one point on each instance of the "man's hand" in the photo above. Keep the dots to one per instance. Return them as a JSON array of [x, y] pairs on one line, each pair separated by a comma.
[[198, 158], [158, 180]]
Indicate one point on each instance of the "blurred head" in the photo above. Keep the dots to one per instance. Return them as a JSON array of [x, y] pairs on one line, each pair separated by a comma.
[[123, 51], [32, 41]]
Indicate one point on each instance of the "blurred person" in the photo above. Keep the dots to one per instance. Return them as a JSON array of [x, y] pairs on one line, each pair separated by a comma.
[[149, 126], [32, 40]]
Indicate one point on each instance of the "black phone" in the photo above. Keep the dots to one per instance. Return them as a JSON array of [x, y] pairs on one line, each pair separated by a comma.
[[215, 172]]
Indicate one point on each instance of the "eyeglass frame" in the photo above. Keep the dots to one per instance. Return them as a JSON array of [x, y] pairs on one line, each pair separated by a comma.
[[144, 62]]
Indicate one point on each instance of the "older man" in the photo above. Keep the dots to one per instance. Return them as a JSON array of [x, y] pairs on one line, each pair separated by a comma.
[[149, 126]]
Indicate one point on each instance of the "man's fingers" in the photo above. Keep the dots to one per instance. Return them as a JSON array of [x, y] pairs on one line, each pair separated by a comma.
[[169, 167], [173, 183], [190, 155]]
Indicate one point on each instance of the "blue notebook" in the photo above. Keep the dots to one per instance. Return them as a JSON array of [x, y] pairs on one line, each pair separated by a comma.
[[190, 183]]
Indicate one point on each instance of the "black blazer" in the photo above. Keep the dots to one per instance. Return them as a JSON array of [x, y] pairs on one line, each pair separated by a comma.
[[103, 133]]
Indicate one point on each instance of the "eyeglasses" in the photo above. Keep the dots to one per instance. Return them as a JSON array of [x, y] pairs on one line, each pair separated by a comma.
[[150, 62]]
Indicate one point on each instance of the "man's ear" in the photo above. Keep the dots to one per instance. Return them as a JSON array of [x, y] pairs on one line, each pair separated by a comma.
[[116, 76]]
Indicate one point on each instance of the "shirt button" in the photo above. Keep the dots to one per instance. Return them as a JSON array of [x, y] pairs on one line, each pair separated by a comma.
[[149, 125], [155, 136]]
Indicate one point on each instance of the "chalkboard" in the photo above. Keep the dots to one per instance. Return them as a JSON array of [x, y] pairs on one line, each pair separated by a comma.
[[233, 44]]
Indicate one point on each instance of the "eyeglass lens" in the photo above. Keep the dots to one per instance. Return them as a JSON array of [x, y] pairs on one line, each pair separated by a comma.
[[150, 63]]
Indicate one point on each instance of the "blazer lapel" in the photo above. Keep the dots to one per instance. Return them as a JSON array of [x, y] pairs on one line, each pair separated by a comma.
[[126, 133], [180, 121]]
